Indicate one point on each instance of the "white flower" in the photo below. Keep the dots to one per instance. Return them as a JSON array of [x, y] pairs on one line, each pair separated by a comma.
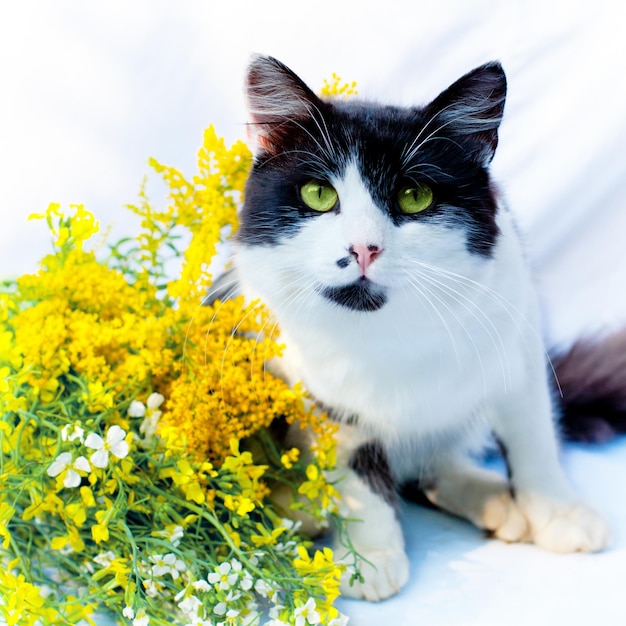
[[115, 443], [307, 614], [275, 610], [153, 588], [136, 409], [189, 606], [290, 525], [63, 463], [77, 433], [128, 612], [263, 588], [176, 535], [222, 609], [172, 533], [104, 559], [223, 576], [155, 400], [201, 585], [247, 582], [340, 620], [142, 619], [149, 425], [167, 564]]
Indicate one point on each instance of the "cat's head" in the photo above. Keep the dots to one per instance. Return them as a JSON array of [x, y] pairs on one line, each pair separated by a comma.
[[346, 200]]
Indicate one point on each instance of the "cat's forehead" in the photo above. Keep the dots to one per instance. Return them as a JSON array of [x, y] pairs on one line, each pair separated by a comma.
[[376, 137], [375, 116], [370, 125]]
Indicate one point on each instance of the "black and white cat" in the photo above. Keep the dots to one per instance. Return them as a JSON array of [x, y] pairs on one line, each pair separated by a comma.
[[376, 237]]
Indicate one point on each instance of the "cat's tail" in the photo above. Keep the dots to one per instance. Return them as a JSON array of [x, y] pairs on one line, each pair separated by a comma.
[[592, 378]]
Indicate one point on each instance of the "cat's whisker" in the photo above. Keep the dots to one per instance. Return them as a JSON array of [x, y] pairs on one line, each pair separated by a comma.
[[188, 331], [329, 150], [424, 293], [332, 151], [410, 151], [293, 297], [431, 310], [462, 325], [477, 114], [260, 336], [253, 309], [203, 302], [208, 300], [471, 306], [519, 319], [513, 312], [422, 168], [314, 165]]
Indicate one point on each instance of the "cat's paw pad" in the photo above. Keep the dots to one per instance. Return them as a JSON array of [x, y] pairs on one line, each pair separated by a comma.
[[503, 518], [384, 575], [565, 526]]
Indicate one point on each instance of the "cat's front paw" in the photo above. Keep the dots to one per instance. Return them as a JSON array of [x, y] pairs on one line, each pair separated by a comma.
[[503, 518], [384, 573], [564, 526]]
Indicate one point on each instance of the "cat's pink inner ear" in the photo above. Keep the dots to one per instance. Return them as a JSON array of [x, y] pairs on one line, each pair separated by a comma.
[[275, 96], [256, 140], [471, 109]]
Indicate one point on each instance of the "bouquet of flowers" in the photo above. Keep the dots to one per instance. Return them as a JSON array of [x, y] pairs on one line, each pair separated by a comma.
[[137, 457]]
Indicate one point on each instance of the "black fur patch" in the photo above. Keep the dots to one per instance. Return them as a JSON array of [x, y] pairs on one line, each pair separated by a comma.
[[224, 287], [592, 378], [358, 296], [414, 491], [370, 463], [336, 416]]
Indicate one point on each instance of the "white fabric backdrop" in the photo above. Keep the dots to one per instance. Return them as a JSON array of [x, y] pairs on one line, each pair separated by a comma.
[[91, 90]]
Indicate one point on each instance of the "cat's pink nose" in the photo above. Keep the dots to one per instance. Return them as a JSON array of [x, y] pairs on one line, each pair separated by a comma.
[[364, 255]]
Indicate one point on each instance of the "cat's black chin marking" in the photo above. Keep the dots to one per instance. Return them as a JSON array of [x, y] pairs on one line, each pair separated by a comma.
[[361, 295]]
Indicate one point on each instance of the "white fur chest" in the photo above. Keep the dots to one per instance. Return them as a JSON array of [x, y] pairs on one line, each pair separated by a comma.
[[407, 376]]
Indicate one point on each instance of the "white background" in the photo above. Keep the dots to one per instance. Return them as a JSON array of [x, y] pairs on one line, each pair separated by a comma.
[[89, 91]]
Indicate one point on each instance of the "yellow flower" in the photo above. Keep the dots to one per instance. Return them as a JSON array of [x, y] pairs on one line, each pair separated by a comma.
[[72, 538], [100, 531], [337, 87], [22, 600], [187, 479], [97, 398], [290, 457], [87, 497], [239, 504], [311, 487], [267, 537], [233, 534]]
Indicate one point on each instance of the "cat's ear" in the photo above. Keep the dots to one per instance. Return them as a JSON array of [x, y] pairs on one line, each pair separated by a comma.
[[276, 97], [471, 110]]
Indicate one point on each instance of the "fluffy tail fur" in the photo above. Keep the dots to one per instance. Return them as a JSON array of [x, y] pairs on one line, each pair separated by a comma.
[[592, 376]]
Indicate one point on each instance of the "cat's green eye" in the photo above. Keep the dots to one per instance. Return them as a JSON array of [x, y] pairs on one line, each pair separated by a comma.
[[318, 196], [415, 198]]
